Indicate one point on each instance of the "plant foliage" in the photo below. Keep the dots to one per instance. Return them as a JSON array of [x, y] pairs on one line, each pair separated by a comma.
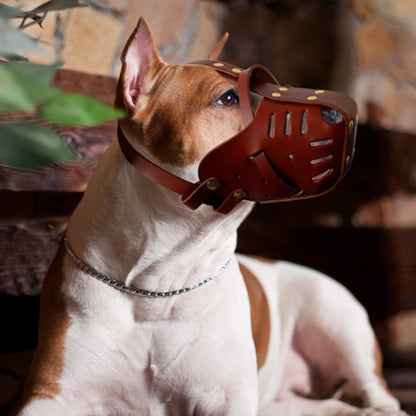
[[26, 87]]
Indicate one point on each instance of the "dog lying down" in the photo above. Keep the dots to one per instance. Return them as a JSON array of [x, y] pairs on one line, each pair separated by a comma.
[[146, 310]]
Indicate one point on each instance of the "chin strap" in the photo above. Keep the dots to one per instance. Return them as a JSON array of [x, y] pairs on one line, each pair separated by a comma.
[[151, 170], [193, 194]]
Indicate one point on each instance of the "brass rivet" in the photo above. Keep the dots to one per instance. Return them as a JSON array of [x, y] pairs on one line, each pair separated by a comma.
[[276, 94], [218, 64], [283, 89], [239, 194], [347, 160], [236, 70], [212, 185], [319, 91], [311, 98], [350, 126]]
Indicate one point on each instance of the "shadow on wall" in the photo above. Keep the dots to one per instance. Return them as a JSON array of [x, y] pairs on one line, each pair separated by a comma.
[[305, 44]]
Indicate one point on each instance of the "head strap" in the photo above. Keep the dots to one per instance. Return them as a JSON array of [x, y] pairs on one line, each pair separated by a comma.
[[299, 144]]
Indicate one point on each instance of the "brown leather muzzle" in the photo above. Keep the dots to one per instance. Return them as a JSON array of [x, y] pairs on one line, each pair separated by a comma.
[[298, 143]]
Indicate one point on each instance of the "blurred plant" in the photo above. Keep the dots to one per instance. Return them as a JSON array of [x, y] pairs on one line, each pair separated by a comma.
[[25, 86]]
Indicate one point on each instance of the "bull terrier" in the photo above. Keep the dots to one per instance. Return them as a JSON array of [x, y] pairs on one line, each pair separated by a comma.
[[146, 308]]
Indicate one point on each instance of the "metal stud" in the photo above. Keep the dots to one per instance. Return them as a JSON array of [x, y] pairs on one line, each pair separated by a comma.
[[350, 126], [239, 194], [276, 94], [236, 70], [348, 160], [212, 185]]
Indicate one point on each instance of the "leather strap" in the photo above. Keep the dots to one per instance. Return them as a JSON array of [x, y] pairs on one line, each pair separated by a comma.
[[283, 153], [274, 181], [244, 83], [232, 199], [152, 171], [202, 193], [193, 194]]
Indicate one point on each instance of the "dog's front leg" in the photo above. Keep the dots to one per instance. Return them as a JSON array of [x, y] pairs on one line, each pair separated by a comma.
[[245, 403], [301, 406], [233, 387], [45, 407], [241, 404]]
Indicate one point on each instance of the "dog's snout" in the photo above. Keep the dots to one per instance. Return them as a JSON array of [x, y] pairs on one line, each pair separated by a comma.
[[330, 115]]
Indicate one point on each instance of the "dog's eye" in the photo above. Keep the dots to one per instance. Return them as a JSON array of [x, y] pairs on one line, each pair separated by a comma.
[[228, 99]]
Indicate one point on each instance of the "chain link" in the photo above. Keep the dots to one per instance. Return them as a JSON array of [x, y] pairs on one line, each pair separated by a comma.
[[128, 289]]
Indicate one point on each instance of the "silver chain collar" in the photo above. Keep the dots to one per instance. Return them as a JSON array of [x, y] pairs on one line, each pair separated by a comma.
[[128, 289]]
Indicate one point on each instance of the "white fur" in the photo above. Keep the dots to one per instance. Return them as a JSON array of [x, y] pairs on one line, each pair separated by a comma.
[[193, 354], [129, 355], [320, 334]]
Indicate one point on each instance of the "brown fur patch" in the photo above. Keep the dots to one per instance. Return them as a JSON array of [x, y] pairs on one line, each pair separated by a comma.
[[179, 121], [46, 370], [379, 366], [263, 259], [260, 315]]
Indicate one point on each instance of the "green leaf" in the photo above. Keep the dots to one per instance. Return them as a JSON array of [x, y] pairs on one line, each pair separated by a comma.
[[30, 146], [8, 12], [22, 88], [77, 110], [14, 42], [43, 73]]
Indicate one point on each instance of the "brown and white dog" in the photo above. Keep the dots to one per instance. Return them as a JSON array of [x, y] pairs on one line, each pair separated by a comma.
[[106, 352]]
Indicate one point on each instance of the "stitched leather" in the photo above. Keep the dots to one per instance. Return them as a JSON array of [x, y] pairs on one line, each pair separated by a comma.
[[287, 151]]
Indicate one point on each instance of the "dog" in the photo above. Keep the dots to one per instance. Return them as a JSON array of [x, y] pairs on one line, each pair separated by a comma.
[[147, 310]]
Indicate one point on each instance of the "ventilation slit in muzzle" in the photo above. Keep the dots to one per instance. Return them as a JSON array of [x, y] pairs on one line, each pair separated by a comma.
[[321, 160], [320, 143], [287, 124], [322, 175], [303, 125], [330, 115], [272, 125]]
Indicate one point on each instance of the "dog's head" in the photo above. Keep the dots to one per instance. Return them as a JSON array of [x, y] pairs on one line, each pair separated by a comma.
[[199, 133], [177, 114]]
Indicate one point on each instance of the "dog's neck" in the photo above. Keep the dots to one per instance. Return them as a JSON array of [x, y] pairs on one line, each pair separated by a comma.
[[141, 234]]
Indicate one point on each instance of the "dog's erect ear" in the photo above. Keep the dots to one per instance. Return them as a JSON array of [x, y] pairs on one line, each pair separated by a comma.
[[140, 60], [216, 50]]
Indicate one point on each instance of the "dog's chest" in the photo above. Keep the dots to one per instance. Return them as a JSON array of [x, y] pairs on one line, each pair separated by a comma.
[[118, 371], [117, 363]]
